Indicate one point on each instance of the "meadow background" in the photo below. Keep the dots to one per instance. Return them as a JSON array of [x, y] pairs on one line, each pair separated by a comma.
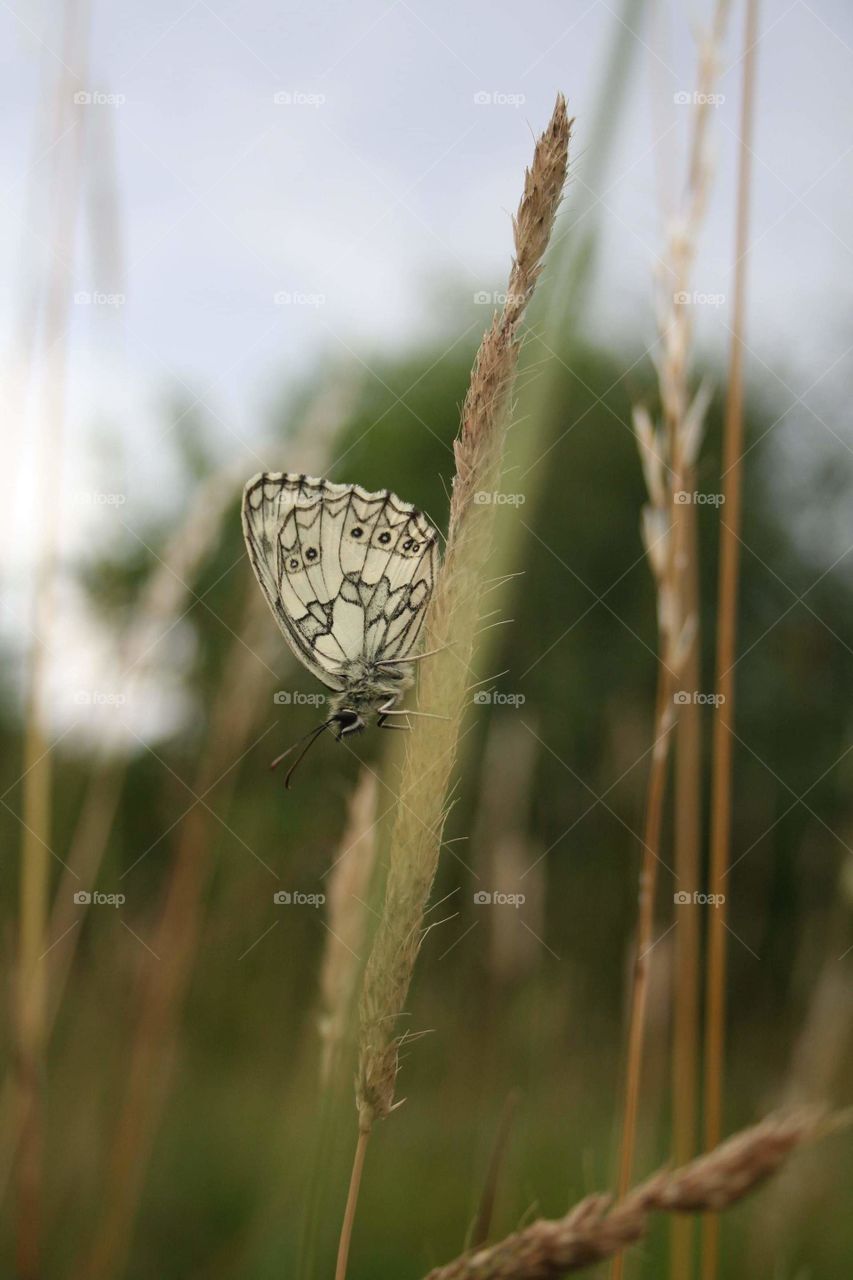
[[241, 237]]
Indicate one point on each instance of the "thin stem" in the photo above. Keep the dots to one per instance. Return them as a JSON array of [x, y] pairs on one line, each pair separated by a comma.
[[352, 1204], [687, 838], [482, 1224], [721, 777], [37, 774], [645, 941]]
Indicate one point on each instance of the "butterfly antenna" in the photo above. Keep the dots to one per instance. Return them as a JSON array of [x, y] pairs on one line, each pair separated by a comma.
[[308, 739]]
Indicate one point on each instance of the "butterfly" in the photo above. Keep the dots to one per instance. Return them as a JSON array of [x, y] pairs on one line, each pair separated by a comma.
[[348, 575]]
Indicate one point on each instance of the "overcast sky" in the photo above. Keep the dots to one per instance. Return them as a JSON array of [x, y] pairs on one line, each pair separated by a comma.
[[265, 182]]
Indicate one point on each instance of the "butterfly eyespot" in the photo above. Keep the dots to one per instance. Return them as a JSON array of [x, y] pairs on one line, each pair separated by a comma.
[[385, 538], [416, 546], [408, 544], [357, 531], [293, 563], [311, 553]]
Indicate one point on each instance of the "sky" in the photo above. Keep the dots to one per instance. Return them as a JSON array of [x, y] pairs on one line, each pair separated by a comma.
[[263, 185]]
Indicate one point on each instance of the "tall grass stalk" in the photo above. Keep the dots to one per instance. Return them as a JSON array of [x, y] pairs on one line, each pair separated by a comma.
[[37, 773], [444, 681], [721, 768], [687, 827], [668, 451]]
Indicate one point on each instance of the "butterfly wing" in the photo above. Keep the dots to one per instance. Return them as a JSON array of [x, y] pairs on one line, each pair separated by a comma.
[[397, 577], [282, 524], [347, 573]]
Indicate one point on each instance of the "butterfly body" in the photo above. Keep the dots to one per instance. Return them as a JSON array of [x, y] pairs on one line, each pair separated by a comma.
[[348, 575], [371, 689]]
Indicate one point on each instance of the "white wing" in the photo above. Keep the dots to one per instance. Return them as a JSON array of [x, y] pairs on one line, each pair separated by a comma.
[[347, 573]]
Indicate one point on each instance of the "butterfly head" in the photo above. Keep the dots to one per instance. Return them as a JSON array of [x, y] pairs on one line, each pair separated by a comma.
[[347, 721]]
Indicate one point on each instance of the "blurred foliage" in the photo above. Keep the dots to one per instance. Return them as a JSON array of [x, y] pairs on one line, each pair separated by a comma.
[[227, 1186]]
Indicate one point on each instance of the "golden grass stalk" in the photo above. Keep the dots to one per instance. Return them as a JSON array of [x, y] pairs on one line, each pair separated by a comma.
[[451, 626], [687, 827], [37, 773], [668, 451], [596, 1229], [721, 768], [347, 889]]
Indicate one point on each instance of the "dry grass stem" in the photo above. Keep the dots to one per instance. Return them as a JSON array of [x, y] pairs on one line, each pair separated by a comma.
[[596, 1229], [37, 771], [729, 573], [687, 838], [668, 451], [453, 621], [451, 627]]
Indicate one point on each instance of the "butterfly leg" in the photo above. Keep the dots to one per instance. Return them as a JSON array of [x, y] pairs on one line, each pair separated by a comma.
[[382, 724], [387, 709]]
